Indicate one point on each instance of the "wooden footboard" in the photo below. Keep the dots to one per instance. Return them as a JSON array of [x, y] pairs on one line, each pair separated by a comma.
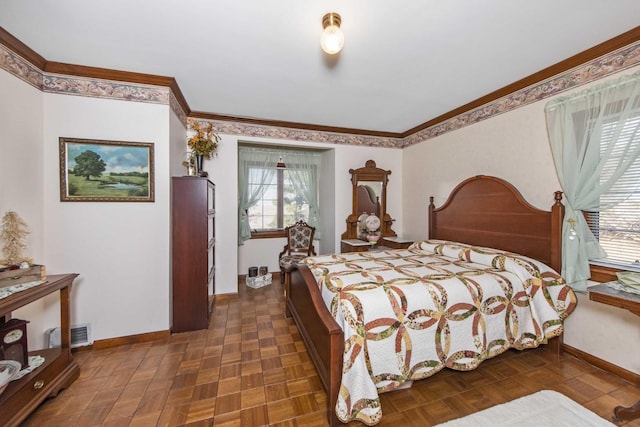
[[320, 332]]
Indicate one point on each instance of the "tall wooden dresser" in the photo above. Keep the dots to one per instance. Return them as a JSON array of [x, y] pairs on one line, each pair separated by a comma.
[[193, 252]]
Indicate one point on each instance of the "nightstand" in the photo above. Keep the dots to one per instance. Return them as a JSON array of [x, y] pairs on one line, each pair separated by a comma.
[[396, 242], [354, 245]]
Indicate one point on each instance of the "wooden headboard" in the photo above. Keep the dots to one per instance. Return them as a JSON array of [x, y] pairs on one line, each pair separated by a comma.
[[490, 212]]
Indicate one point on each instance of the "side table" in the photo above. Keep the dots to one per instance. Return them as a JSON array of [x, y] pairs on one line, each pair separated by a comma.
[[59, 370], [397, 242], [354, 245]]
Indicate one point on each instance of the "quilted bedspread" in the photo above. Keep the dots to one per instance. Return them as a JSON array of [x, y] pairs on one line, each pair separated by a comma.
[[407, 314]]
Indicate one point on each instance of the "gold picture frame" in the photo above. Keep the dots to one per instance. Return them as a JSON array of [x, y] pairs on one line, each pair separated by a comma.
[[106, 171]]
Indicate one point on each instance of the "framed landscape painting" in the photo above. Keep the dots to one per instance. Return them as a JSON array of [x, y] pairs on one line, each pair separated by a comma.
[[105, 171]]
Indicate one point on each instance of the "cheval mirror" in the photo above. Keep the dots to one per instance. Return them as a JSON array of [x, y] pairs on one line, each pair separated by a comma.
[[369, 197]]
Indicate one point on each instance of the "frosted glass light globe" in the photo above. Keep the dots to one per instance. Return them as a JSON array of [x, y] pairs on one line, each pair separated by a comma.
[[332, 39]]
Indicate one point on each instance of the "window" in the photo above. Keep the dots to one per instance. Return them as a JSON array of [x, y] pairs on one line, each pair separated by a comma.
[[278, 205], [271, 199], [595, 144], [617, 225]]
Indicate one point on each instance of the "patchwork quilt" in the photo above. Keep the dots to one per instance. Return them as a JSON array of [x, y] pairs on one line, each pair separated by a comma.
[[408, 313]]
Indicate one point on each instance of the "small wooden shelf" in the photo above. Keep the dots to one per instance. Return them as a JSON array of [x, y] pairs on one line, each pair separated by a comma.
[[59, 370], [607, 295]]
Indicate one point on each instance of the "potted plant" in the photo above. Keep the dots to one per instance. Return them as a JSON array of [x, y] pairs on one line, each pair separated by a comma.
[[203, 144]]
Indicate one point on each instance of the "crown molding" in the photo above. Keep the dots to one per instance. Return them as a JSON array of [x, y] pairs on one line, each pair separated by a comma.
[[628, 38], [21, 49], [589, 72], [292, 125], [612, 56]]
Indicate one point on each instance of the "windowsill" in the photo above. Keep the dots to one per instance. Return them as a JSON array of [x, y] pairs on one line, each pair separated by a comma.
[[268, 234]]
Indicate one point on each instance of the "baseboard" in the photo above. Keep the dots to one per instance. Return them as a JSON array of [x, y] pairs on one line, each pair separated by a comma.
[[130, 339], [222, 297], [632, 377], [152, 336]]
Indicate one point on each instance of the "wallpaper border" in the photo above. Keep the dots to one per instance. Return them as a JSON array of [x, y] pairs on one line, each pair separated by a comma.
[[599, 68], [588, 72]]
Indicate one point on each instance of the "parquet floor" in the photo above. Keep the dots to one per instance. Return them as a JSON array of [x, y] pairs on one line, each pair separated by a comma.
[[250, 368]]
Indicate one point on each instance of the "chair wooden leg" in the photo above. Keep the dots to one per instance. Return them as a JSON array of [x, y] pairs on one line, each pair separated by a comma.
[[287, 285]]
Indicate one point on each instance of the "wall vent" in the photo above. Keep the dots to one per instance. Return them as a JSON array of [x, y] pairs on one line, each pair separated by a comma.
[[80, 336]]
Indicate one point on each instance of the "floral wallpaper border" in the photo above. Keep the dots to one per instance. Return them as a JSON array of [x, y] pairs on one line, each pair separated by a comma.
[[611, 63], [261, 131], [608, 64], [98, 88], [16, 65], [83, 86]]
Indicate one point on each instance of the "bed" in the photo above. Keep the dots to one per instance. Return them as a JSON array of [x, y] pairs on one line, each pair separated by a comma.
[[517, 287]]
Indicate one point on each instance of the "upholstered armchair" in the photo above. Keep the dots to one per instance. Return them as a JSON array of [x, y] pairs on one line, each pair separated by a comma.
[[299, 245]]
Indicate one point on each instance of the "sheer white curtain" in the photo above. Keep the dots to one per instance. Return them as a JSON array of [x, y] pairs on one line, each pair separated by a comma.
[[303, 170], [589, 165], [255, 165]]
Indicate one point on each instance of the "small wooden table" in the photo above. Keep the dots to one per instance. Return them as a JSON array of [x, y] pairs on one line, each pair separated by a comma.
[[610, 296], [385, 243], [397, 242], [59, 370], [354, 245]]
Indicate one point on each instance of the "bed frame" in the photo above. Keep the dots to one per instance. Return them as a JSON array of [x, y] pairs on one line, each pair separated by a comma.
[[483, 211]]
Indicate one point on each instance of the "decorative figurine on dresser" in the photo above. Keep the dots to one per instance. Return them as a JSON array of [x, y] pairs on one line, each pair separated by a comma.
[[193, 252]]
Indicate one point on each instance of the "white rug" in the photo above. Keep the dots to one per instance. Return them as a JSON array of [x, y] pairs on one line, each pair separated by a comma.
[[545, 408]]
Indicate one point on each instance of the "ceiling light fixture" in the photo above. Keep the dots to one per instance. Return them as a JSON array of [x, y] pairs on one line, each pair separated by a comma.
[[332, 38], [280, 164]]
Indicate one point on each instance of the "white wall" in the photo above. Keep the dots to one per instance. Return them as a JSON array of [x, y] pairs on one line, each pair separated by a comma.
[[328, 232], [178, 145], [21, 156], [513, 146], [120, 249], [21, 176]]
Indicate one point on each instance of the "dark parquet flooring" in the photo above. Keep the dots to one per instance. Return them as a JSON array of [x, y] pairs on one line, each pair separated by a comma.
[[250, 368]]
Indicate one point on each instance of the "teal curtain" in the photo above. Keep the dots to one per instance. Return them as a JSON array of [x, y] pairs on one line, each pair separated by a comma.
[[303, 170], [589, 164], [257, 166]]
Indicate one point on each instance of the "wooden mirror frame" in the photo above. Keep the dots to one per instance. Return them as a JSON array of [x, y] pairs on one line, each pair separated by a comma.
[[369, 173]]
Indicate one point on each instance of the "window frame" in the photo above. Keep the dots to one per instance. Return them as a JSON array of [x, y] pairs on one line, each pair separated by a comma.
[[280, 231], [267, 234]]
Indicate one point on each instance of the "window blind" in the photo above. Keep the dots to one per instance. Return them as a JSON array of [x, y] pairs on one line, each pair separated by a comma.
[[617, 225]]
